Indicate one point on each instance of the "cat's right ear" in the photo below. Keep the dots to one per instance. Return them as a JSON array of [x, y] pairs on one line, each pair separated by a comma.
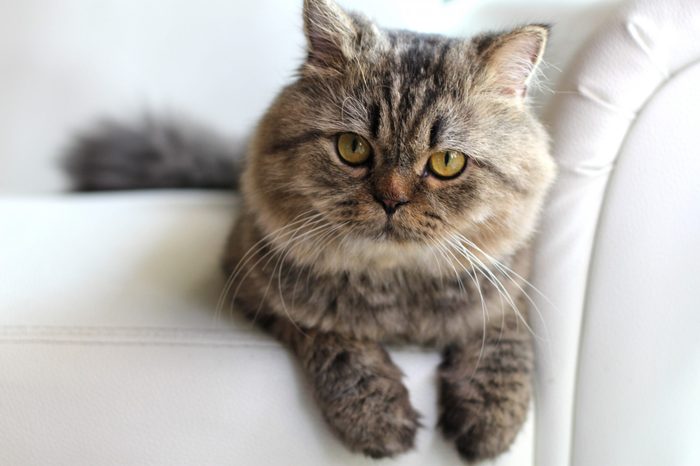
[[330, 35]]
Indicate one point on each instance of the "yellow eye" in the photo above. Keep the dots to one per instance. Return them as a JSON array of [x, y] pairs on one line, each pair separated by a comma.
[[447, 164], [353, 149]]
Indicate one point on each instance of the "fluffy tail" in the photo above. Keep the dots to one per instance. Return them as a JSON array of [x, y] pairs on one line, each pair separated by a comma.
[[152, 154]]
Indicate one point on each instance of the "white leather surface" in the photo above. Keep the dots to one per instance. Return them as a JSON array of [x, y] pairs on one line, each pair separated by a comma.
[[591, 411], [638, 389], [110, 355]]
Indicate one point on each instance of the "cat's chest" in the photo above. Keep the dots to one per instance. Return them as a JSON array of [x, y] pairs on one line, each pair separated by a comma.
[[378, 292], [393, 304]]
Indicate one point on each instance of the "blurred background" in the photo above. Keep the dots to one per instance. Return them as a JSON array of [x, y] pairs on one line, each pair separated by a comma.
[[64, 63]]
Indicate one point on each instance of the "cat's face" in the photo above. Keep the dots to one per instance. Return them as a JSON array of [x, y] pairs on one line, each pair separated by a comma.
[[390, 137]]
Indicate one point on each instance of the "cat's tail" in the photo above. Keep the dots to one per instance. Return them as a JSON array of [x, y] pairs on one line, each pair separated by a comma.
[[152, 153]]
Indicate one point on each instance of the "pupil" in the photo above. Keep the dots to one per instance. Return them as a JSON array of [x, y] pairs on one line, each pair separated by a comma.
[[448, 158], [354, 144]]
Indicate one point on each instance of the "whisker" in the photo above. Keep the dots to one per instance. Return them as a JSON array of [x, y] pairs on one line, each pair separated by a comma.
[[323, 230], [507, 271], [278, 268], [245, 259], [439, 267], [488, 274], [274, 250], [277, 234], [484, 311], [278, 265], [275, 253], [442, 249], [323, 242]]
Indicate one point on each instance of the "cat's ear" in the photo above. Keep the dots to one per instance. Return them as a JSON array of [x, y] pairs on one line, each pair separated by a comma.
[[330, 34], [512, 58]]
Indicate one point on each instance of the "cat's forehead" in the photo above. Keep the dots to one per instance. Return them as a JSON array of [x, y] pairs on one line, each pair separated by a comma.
[[410, 46], [409, 91], [414, 58]]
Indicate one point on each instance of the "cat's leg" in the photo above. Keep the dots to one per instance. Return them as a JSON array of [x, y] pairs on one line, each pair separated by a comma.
[[357, 387], [485, 394]]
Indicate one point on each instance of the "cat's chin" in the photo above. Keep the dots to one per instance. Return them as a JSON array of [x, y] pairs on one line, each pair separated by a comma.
[[391, 236], [391, 231]]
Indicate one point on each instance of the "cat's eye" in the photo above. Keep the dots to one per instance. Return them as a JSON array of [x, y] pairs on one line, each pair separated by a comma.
[[353, 149], [447, 164]]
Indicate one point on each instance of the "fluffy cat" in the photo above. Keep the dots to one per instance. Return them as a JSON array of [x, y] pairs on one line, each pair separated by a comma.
[[389, 196]]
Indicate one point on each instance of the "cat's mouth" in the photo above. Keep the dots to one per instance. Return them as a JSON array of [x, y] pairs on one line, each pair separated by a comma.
[[390, 231]]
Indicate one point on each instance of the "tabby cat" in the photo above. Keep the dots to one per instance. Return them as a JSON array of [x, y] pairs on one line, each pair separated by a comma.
[[389, 196]]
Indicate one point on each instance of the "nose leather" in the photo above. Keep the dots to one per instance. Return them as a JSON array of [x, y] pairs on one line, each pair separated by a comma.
[[392, 192], [391, 205]]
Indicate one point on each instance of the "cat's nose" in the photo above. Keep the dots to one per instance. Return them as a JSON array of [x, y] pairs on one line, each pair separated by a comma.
[[391, 191], [391, 205]]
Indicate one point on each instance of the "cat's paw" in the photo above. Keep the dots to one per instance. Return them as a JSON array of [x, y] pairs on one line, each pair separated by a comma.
[[476, 436], [482, 413], [364, 401]]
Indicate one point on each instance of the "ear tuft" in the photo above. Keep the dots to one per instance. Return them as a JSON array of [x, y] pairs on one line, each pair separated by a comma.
[[512, 58], [330, 34]]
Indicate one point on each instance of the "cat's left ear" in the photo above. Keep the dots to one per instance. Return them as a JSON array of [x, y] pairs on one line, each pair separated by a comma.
[[512, 59]]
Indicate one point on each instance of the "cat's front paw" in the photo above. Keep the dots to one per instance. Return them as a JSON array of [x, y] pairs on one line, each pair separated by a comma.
[[483, 412], [363, 399]]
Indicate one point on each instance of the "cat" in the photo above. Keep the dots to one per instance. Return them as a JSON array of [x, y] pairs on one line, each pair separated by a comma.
[[389, 196]]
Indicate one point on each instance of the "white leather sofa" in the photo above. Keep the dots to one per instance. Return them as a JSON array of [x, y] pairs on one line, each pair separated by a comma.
[[110, 352]]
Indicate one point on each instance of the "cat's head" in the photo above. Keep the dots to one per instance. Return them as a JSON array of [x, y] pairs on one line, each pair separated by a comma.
[[393, 142]]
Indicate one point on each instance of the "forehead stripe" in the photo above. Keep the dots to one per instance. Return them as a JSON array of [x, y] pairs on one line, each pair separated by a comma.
[[374, 120], [436, 131]]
